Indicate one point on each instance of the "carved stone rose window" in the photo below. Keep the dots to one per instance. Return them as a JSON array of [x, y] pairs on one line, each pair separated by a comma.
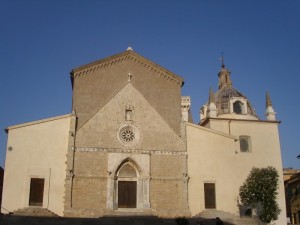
[[128, 134]]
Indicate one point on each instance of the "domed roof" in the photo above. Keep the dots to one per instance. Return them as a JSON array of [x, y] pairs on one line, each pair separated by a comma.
[[223, 97], [230, 103]]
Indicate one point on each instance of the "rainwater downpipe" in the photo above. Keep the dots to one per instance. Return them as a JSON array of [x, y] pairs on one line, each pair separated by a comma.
[[229, 131]]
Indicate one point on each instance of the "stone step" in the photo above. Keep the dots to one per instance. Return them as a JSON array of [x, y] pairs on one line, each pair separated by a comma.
[[214, 214], [124, 213], [34, 211]]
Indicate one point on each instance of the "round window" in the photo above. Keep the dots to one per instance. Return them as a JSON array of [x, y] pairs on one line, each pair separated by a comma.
[[128, 134]]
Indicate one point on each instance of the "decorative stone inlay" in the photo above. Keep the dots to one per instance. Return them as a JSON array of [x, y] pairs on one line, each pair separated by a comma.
[[130, 151], [100, 178], [102, 64], [167, 178], [128, 134]]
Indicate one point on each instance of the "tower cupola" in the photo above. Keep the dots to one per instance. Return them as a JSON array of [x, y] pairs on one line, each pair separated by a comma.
[[224, 77], [227, 102]]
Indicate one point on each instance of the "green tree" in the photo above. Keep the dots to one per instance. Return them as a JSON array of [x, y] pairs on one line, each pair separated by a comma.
[[260, 191]]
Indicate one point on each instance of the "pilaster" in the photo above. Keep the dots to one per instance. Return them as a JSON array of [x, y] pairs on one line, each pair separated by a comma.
[[70, 165]]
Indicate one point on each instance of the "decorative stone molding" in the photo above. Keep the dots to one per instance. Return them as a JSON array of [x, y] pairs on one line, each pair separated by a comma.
[[244, 105], [129, 107], [167, 178], [140, 164], [101, 178], [129, 151], [126, 56]]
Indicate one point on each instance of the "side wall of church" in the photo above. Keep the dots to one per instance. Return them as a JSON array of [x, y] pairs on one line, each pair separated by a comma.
[[211, 158], [264, 151], [37, 150]]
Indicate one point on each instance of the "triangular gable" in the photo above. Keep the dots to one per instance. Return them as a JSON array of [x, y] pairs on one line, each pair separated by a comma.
[[123, 56], [102, 126], [97, 82]]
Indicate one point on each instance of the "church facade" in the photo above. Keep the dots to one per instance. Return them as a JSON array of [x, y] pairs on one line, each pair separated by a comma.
[[130, 146]]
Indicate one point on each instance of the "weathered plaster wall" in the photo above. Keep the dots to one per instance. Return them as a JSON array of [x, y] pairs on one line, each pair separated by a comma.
[[210, 160], [38, 151], [221, 161]]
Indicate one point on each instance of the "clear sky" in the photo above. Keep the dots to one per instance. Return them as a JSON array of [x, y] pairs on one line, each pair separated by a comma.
[[42, 40]]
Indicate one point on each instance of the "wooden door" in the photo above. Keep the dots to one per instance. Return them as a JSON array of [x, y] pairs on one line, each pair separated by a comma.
[[127, 194], [36, 192], [210, 195]]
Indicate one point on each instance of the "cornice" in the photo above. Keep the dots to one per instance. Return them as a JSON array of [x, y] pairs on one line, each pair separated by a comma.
[[213, 131], [206, 120], [38, 122], [128, 55]]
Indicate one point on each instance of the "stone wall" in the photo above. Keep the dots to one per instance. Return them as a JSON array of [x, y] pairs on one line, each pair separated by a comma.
[[169, 185], [127, 91], [96, 84]]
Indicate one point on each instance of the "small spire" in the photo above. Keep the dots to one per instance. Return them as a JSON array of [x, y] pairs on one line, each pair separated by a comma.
[[211, 109], [268, 100], [270, 113], [211, 98], [129, 49]]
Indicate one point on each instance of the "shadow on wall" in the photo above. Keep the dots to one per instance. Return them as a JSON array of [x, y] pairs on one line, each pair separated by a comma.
[[205, 221], [117, 220]]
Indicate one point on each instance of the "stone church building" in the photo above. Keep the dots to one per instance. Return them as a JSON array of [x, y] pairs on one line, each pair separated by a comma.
[[130, 146]]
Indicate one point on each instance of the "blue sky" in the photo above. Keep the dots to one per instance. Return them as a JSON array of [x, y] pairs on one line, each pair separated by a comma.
[[41, 41]]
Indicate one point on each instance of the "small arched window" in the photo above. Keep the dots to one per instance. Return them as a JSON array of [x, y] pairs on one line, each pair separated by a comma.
[[245, 144], [238, 107]]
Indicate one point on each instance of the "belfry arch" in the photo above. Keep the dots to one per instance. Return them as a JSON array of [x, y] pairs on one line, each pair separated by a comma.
[[128, 184]]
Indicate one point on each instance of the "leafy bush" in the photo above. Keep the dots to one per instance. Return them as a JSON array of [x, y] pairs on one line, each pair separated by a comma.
[[260, 190]]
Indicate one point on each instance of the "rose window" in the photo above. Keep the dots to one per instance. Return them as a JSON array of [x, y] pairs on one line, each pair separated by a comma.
[[127, 135]]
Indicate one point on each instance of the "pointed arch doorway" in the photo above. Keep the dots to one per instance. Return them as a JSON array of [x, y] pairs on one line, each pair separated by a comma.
[[127, 185]]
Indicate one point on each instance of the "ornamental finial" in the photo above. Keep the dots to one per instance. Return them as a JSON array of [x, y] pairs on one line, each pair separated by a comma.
[[222, 59]]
